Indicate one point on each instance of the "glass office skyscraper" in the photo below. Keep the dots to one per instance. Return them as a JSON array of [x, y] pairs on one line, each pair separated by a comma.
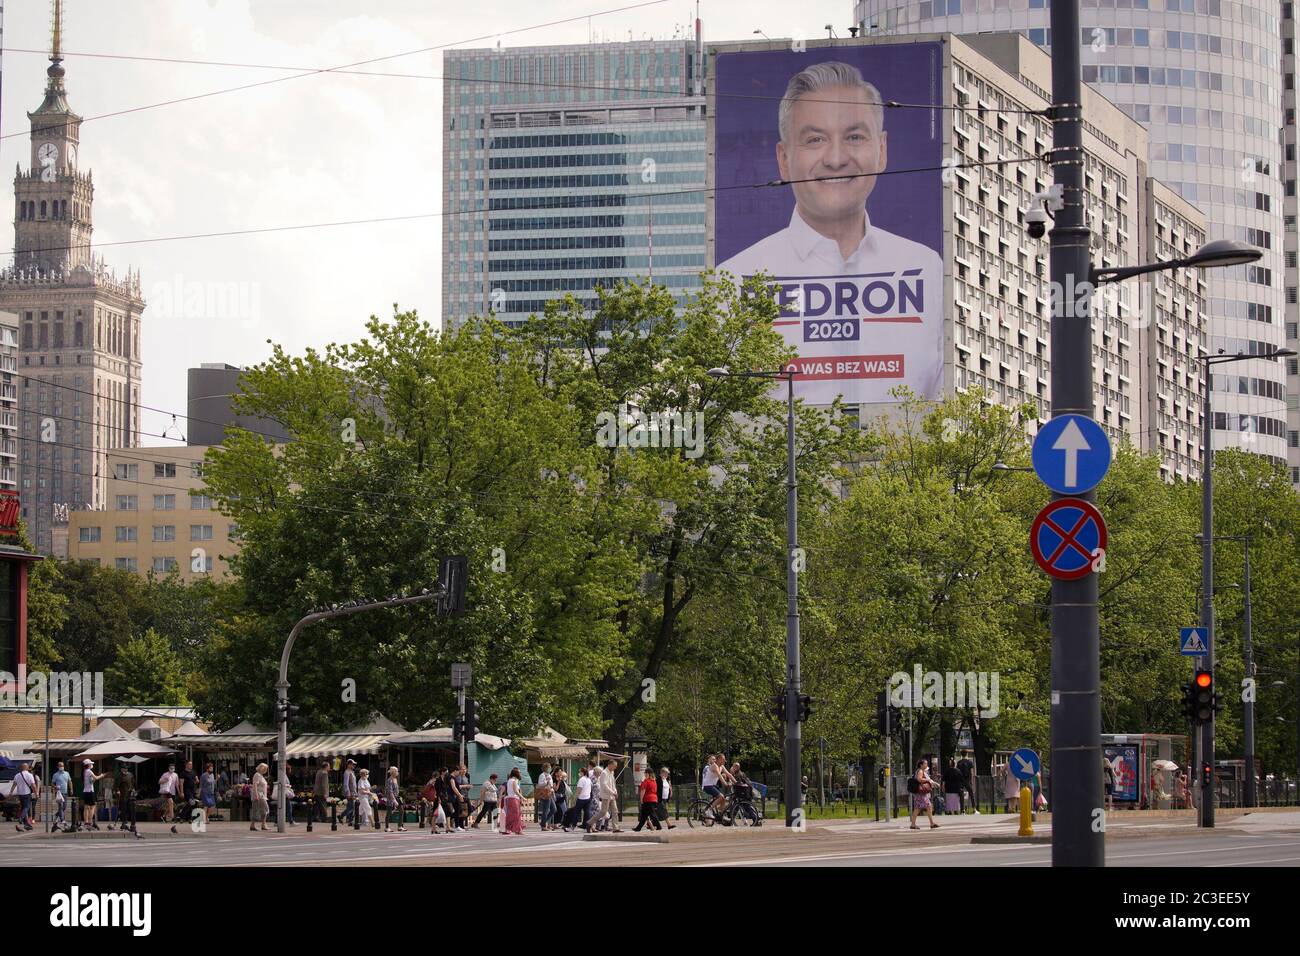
[[566, 168], [1206, 77]]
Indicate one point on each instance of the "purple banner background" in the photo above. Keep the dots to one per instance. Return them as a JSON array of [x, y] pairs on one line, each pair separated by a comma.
[[745, 128]]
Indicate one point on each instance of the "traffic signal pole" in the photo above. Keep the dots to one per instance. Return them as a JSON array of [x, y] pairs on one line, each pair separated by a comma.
[[1076, 647], [1205, 816], [282, 686], [460, 709]]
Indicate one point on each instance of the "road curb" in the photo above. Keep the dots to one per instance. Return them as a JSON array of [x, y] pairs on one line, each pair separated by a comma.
[[626, 838]]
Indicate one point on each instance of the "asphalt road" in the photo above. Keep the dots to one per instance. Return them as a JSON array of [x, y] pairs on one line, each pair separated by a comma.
[[1258, 840]]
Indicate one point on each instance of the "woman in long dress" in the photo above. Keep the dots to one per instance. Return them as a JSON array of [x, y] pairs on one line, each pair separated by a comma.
[[514, 804], [260, 807], [363, 799]]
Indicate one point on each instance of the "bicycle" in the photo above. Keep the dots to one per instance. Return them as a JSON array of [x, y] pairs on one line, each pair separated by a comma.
[[741, 813], [735, 812], [698, 812]]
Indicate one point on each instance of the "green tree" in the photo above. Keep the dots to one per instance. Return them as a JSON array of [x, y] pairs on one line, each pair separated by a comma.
[[147, 671], [102, 612]]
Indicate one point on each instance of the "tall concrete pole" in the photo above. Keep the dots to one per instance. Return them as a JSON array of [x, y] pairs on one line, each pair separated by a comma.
[[1076, 646]]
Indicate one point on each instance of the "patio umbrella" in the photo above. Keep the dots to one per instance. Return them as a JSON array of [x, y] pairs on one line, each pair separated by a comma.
[[1165, 765], [124, 748], [136, 759]]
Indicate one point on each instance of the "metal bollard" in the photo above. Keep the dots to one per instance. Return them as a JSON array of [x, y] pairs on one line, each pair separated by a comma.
[[1026, 812], [374, 812], [311, 811], [356, 816], [423, 806], [334, 817]]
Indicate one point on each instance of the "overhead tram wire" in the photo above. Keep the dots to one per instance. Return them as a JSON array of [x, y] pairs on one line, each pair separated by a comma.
[[688, 563], [642, 92], [377, 59], [161, 411], [648, 196], [651, 550]]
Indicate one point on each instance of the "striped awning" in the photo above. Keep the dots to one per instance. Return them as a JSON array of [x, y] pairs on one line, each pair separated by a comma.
[[336, 745], [222, 742], [558, 752]]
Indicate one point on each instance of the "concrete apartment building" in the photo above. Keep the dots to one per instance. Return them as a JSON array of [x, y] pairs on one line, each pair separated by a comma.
[[152, 522], [551, 160], [8, 401], [996, 295], [1210, 82]]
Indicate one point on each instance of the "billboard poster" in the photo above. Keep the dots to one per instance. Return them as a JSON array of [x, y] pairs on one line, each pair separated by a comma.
[[853, 243], [1124, 760]]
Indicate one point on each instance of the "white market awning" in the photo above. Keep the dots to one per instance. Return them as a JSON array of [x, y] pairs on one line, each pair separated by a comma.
[[335, 745]]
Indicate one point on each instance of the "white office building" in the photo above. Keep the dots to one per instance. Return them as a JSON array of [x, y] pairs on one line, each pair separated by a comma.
[[1206, 79], [567, 168]]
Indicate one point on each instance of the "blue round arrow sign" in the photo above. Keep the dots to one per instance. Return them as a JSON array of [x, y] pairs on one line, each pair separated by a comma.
[[1071, 454], [1024, 764]]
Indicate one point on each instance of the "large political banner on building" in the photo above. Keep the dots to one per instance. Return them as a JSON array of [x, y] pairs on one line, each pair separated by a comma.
[[853, 242]]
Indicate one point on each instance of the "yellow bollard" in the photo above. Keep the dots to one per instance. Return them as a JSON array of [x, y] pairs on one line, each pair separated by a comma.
[[1026, 811]]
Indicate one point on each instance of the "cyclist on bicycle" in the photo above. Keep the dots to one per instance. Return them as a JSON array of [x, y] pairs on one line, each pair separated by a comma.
[[710, 783], [742, 791]]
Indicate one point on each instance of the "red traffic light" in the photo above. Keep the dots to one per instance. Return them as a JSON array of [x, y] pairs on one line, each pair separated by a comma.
[[1204, 679]]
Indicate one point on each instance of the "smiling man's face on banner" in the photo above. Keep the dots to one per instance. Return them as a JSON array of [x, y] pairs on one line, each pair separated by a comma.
[[834, 132]]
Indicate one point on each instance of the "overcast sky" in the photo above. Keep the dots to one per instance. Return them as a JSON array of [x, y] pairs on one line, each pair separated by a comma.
[[320, 148]]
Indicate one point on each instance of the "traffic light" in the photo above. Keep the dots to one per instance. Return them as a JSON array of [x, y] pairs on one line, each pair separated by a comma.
[[778, 706], [805, 707], [451, 581], [1203, 690], [458, 729], [287, 711], [1207, 775], [1189, 700], [471, 718]]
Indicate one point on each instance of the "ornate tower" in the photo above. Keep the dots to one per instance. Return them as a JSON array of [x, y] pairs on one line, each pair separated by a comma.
[[53, 197], [79, 352]]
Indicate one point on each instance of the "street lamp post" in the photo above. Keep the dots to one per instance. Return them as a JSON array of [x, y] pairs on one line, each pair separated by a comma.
[[1076, 644], [793, 732], [1206, 818]]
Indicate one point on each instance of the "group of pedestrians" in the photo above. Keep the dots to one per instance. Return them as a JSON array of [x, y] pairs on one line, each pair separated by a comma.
[[447, 794], [590, 802]]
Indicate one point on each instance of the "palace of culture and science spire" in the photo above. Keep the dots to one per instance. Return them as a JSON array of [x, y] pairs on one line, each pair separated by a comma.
[[78, 371]]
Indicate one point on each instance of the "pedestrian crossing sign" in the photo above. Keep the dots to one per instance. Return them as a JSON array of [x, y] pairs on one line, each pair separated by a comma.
[[1193, 641]]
